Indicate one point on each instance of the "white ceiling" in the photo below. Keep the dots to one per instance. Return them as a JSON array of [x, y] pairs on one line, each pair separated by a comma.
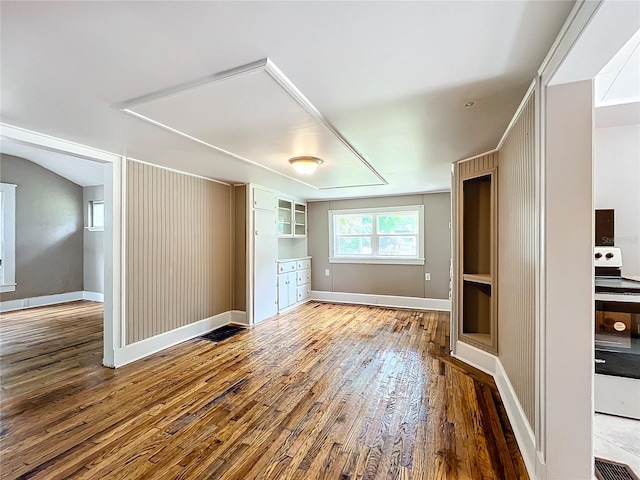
[[391, 77], [79, 170], [619, 81]]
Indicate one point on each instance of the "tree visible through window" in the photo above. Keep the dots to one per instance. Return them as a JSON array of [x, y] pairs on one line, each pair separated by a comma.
[[379, 234]]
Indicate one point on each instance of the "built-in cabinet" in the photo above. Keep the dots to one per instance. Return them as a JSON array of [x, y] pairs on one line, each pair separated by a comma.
[[294, 282], [476, 261], [292, 218], [264, 286], [279, 273]]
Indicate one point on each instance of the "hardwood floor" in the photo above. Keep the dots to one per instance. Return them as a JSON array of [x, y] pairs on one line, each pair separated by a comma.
[[325, 391]]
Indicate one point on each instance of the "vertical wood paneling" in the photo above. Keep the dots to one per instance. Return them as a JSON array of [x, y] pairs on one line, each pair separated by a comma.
[[240, 250], [178, 243], [478, 164], [516, 247]]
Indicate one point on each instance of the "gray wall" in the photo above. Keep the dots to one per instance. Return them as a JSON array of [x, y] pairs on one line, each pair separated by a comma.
[[93, 244], [49, 224], [402, 280]]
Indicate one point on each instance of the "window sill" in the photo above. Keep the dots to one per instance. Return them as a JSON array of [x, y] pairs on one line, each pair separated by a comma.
[[379, 261], [8, 288], [94, 229]]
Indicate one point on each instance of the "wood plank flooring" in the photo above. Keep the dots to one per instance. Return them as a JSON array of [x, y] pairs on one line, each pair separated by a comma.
[[324, 391]]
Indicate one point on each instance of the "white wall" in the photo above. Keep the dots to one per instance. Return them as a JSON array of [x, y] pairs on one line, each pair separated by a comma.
[[93, 244], [616, 185]]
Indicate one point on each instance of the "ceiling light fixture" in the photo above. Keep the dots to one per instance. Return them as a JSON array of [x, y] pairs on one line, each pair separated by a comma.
[[305, 165]]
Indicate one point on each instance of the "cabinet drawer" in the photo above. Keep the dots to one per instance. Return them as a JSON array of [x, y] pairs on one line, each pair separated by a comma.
[[303, 264], [304, 292], [286, 267], [263, 199], [304, 276]]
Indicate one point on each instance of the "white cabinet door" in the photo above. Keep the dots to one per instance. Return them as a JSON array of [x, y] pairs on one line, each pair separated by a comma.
[[265, 256], [291, 288], [286, 290], [264, 199], [283, 292]]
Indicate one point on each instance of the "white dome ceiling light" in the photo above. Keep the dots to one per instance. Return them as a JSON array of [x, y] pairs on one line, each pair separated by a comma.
[[305, 165]]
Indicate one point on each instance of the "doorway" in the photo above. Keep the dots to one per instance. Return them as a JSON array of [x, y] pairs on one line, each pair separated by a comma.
[[111, 166], [566, 395]]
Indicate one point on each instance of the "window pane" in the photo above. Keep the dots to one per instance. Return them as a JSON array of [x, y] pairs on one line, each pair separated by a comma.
[[1, 236], [353, 224], [97, 214], [354, 246], [400, 223], [405, 246]]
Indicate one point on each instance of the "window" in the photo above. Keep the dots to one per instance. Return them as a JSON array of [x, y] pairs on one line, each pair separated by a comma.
[[96, 215], [377, 235], [7, 237]]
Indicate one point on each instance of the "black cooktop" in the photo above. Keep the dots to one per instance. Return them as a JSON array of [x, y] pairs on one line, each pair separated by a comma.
[[617, 285]]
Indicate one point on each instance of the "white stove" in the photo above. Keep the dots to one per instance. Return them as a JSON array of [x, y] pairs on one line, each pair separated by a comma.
[[617, 336]]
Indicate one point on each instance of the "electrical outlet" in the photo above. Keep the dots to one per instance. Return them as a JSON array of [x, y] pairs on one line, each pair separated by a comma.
[[326, 272], [427, 276]]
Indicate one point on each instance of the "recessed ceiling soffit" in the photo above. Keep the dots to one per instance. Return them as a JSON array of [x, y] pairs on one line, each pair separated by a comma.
[[255, 114]]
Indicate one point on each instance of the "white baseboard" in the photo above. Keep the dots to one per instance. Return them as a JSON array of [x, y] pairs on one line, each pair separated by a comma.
[[523, 432], [475, 357], [149, 346], [519, 423], [382, 300], [93, 296], [45, 300], [238, 317]]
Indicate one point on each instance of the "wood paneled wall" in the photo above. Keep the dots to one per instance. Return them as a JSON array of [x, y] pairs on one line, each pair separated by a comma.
[[478, 164], [178, 250], [240, 248], [516, 253]]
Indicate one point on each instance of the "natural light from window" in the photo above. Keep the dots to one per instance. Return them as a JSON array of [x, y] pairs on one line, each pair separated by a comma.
[[7, 237], [381, 235], [96, 215]]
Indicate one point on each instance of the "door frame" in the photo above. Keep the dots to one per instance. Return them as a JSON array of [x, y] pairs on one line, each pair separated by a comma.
[[113, 230]]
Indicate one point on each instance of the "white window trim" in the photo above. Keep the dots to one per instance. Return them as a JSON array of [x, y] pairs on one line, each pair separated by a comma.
[[9, 255], [376, 259], [90, 227]]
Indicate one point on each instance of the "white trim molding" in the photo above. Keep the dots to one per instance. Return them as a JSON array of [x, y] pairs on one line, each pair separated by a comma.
[[268, 67], [114, 234], [438, 304], [44, 300], [93, 296], [519, 423], [149, 346], [8, 243], [239, 318]]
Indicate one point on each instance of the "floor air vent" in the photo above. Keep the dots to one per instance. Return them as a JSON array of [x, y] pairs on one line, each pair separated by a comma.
[[223, 333], [608, 470]]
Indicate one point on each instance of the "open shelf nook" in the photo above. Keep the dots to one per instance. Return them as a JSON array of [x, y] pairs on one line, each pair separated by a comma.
[[476, 253]]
